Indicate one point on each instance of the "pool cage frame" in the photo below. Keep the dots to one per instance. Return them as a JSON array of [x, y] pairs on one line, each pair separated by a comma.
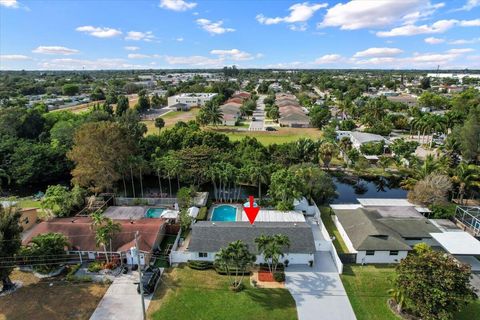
[[469, 217]]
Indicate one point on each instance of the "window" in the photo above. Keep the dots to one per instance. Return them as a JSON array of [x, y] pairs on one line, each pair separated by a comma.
[[394, 253], [202, 255], [370, 252]]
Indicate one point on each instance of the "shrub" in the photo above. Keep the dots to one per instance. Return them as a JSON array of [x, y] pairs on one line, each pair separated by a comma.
[[202, 214], [279, 276], [200, 265], [95, 266], [443, 211]]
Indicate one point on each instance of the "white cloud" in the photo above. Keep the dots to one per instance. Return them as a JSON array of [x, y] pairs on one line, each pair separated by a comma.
[[131, 48], [138, 35], [410, 29], [142, 56], [378, 52], [469, 5], [98, 64], [464, 41], [213, 27], [299, 14], [177, 5], [14, 57], [196, 61], [55, 50], [328, 58], [437, 27], [99, 32], [373, 13], [9, 4], [180, 39], [470, 23], [232, 54], [433, 40], [460, 50]]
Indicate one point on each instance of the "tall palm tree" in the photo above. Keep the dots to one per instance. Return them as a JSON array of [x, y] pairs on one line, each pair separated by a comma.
[[326, 152], [466, 176], [213, 113], [104, 234], [272, 249], [235, 259], [259, 175]]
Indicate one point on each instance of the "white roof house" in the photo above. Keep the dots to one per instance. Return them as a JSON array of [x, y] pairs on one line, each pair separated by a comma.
[[458, 243], [276, 216]]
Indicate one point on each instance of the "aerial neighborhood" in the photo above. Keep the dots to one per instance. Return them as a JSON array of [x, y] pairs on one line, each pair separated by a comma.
[[174, 182]]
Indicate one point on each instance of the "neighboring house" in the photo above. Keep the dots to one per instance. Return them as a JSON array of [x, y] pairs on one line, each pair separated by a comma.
[[180, 106], [28, 218], [382, 233], [408, 99], [191, 99], [295, 120], [242, 95], [231, 114], [81, 237], [359, 138], [208, 237]]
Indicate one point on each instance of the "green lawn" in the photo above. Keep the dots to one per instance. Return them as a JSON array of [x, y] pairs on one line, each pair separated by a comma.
[[189, 294], [367, 288], [332, 230], [283, 135]]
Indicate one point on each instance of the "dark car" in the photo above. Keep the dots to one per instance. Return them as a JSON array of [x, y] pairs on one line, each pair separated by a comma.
[[150, 279], [253, 119], [270, 129]]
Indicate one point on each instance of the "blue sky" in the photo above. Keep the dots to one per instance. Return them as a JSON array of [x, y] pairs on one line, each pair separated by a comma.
[[66, 34]]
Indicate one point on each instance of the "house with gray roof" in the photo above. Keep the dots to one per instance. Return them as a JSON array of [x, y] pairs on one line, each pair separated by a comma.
[[208, 237], [381, 236]]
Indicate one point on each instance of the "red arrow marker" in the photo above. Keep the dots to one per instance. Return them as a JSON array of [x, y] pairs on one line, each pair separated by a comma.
[[251, 211]]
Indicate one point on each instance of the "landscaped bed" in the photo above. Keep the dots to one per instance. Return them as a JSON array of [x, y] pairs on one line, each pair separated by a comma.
[[332, 230], [367, 288], [192, 294], [50, 299]]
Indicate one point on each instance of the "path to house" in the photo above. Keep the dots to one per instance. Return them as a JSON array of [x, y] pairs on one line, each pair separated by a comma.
[[121, 301], [318, 291], [259, 115]]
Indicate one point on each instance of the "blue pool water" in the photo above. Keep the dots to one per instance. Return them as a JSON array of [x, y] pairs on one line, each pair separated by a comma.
[[154, 212], [224, 213]]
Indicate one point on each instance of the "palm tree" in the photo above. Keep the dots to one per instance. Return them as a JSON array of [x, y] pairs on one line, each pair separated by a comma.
[[466, 176], [235, 257], [399, 297], [272, 249], [326, 152], [259, 175], [105, 232], [157, 165], [159, 123], [213, 114]]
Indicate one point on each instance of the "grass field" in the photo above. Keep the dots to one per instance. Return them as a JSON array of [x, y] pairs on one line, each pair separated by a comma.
[[171, 118], [190, 294], [333, 231], [367, 288], [283, 135], [50, 299]]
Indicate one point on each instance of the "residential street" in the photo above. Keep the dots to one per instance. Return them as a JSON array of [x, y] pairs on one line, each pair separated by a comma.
[[259, 115]]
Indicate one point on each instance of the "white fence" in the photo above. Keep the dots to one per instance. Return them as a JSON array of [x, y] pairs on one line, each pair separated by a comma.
[[180, 257], [122, 201]]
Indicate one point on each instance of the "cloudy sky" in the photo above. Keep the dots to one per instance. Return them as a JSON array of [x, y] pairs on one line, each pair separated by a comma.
[[266, 34]]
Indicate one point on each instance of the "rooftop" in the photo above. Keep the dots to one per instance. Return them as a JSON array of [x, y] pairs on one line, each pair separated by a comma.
[[364, 137], [458, 242], [211, 237], [276, 216]]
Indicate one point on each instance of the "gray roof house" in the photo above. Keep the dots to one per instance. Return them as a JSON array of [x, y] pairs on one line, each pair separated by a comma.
[[377, 236], [209, 237]]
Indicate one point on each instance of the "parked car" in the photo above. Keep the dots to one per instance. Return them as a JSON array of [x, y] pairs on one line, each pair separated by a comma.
[[253, 119], [150, 279], [270, 129]]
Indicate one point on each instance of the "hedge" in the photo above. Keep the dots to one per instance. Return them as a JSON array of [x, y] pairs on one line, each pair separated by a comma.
[[199, 265], [202, 214]]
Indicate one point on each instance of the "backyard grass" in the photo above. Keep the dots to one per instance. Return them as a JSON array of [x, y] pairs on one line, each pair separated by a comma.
[[171, 118], [50, 299], [184, 293], [332, 230], [367, 288], [282, 135]]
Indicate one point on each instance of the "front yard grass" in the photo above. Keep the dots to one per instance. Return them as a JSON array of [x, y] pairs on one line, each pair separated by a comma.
[[282, 135], [50, 299], [332, 230], [367, 288], [184, 293]]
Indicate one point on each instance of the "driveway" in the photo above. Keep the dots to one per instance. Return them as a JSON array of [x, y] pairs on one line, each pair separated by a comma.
[[318, 291], [121, 301], [259, 115]]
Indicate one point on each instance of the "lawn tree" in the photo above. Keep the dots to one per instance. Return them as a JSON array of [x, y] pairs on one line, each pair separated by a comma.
[[185, 220], [327, 151], [272, 247], [143, 103], [235, 259], [10, 242], [185, 197], [466, 176], [122, 105], [316, 184], [433, 285], [61, 201], [100, 149], [159, 123], [319, 116]]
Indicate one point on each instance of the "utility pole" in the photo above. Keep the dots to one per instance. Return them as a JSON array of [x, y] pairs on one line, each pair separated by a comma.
[[140, 276]]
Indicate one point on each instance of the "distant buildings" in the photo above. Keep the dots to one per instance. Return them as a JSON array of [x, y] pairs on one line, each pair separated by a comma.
[[191, 99], [231, 108], [291, 113]]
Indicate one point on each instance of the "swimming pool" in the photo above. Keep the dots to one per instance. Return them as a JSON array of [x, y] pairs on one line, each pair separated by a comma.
[[154, 212], [224, 213]]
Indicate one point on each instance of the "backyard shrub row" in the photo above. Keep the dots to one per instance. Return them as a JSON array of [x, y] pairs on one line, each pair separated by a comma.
[[200, 265], [202, 214]]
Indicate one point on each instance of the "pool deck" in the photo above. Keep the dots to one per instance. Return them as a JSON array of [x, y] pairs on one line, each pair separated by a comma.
[[236, 205], [127, 212]]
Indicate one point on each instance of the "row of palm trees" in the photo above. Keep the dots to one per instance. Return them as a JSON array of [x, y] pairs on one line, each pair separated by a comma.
[[427, 124]]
